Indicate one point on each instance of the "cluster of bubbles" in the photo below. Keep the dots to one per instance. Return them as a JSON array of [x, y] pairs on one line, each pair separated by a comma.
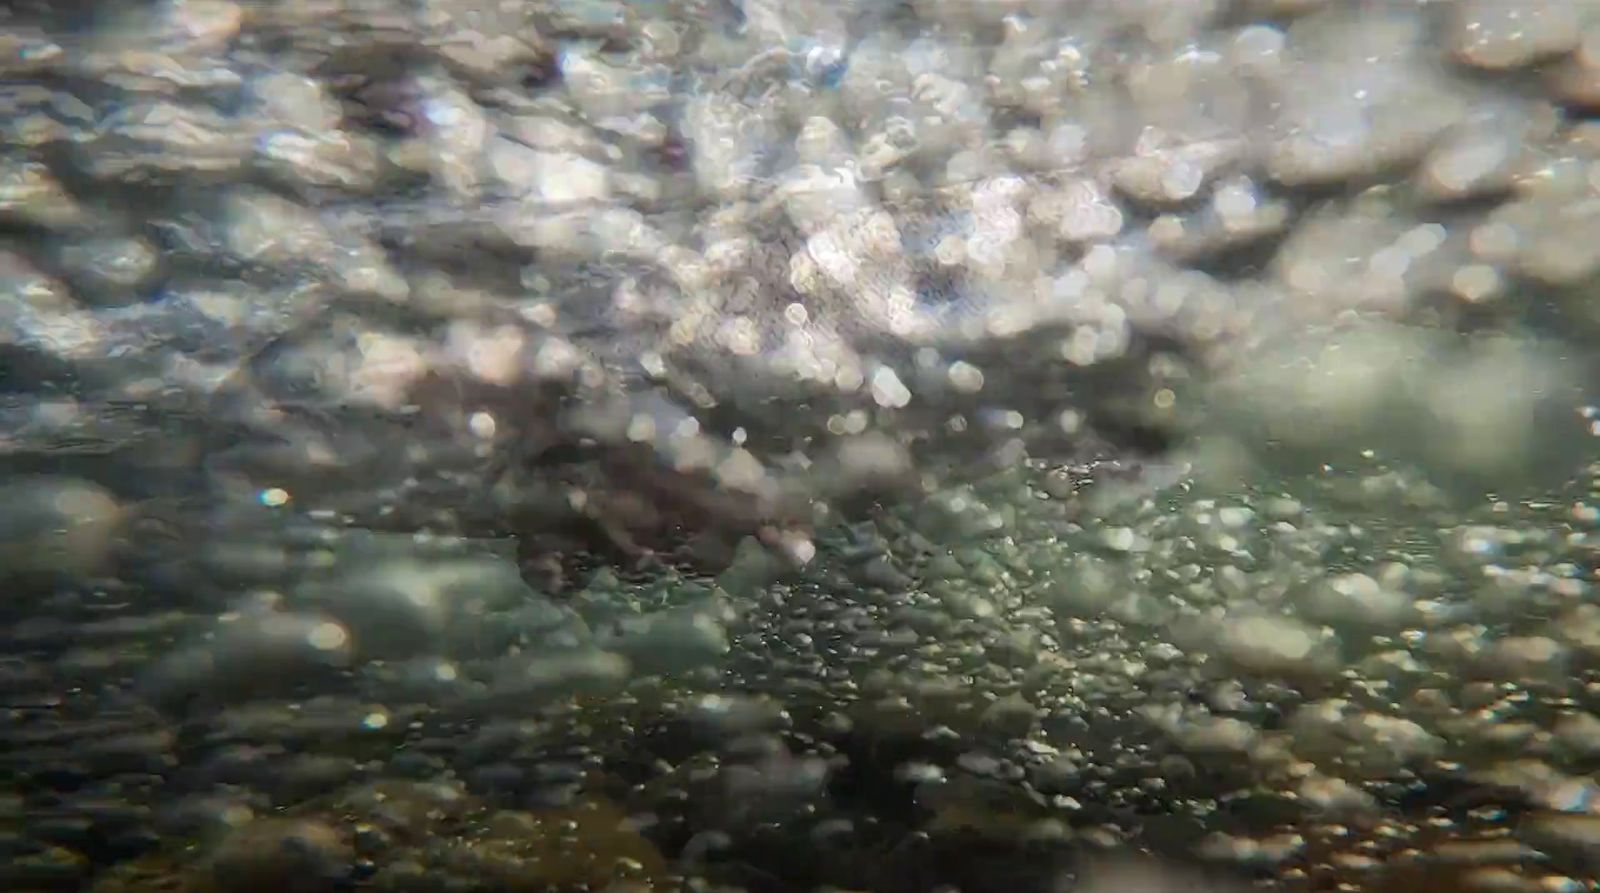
[[743, 445]]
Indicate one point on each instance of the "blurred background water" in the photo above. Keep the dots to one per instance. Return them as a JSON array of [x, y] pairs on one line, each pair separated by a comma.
[[892, 445]]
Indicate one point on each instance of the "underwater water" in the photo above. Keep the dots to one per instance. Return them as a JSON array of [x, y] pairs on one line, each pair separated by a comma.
[[852, 445]]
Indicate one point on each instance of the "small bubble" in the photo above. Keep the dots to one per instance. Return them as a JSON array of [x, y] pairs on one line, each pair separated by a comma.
[[273, 497], [482, 425], [1181, 181], [687, 428], [887, 389], [1475, 283], [641, 428], [1494, 241], [966, 377], [797, 314], [1259, 44], [1235, 200], [327, 637]]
